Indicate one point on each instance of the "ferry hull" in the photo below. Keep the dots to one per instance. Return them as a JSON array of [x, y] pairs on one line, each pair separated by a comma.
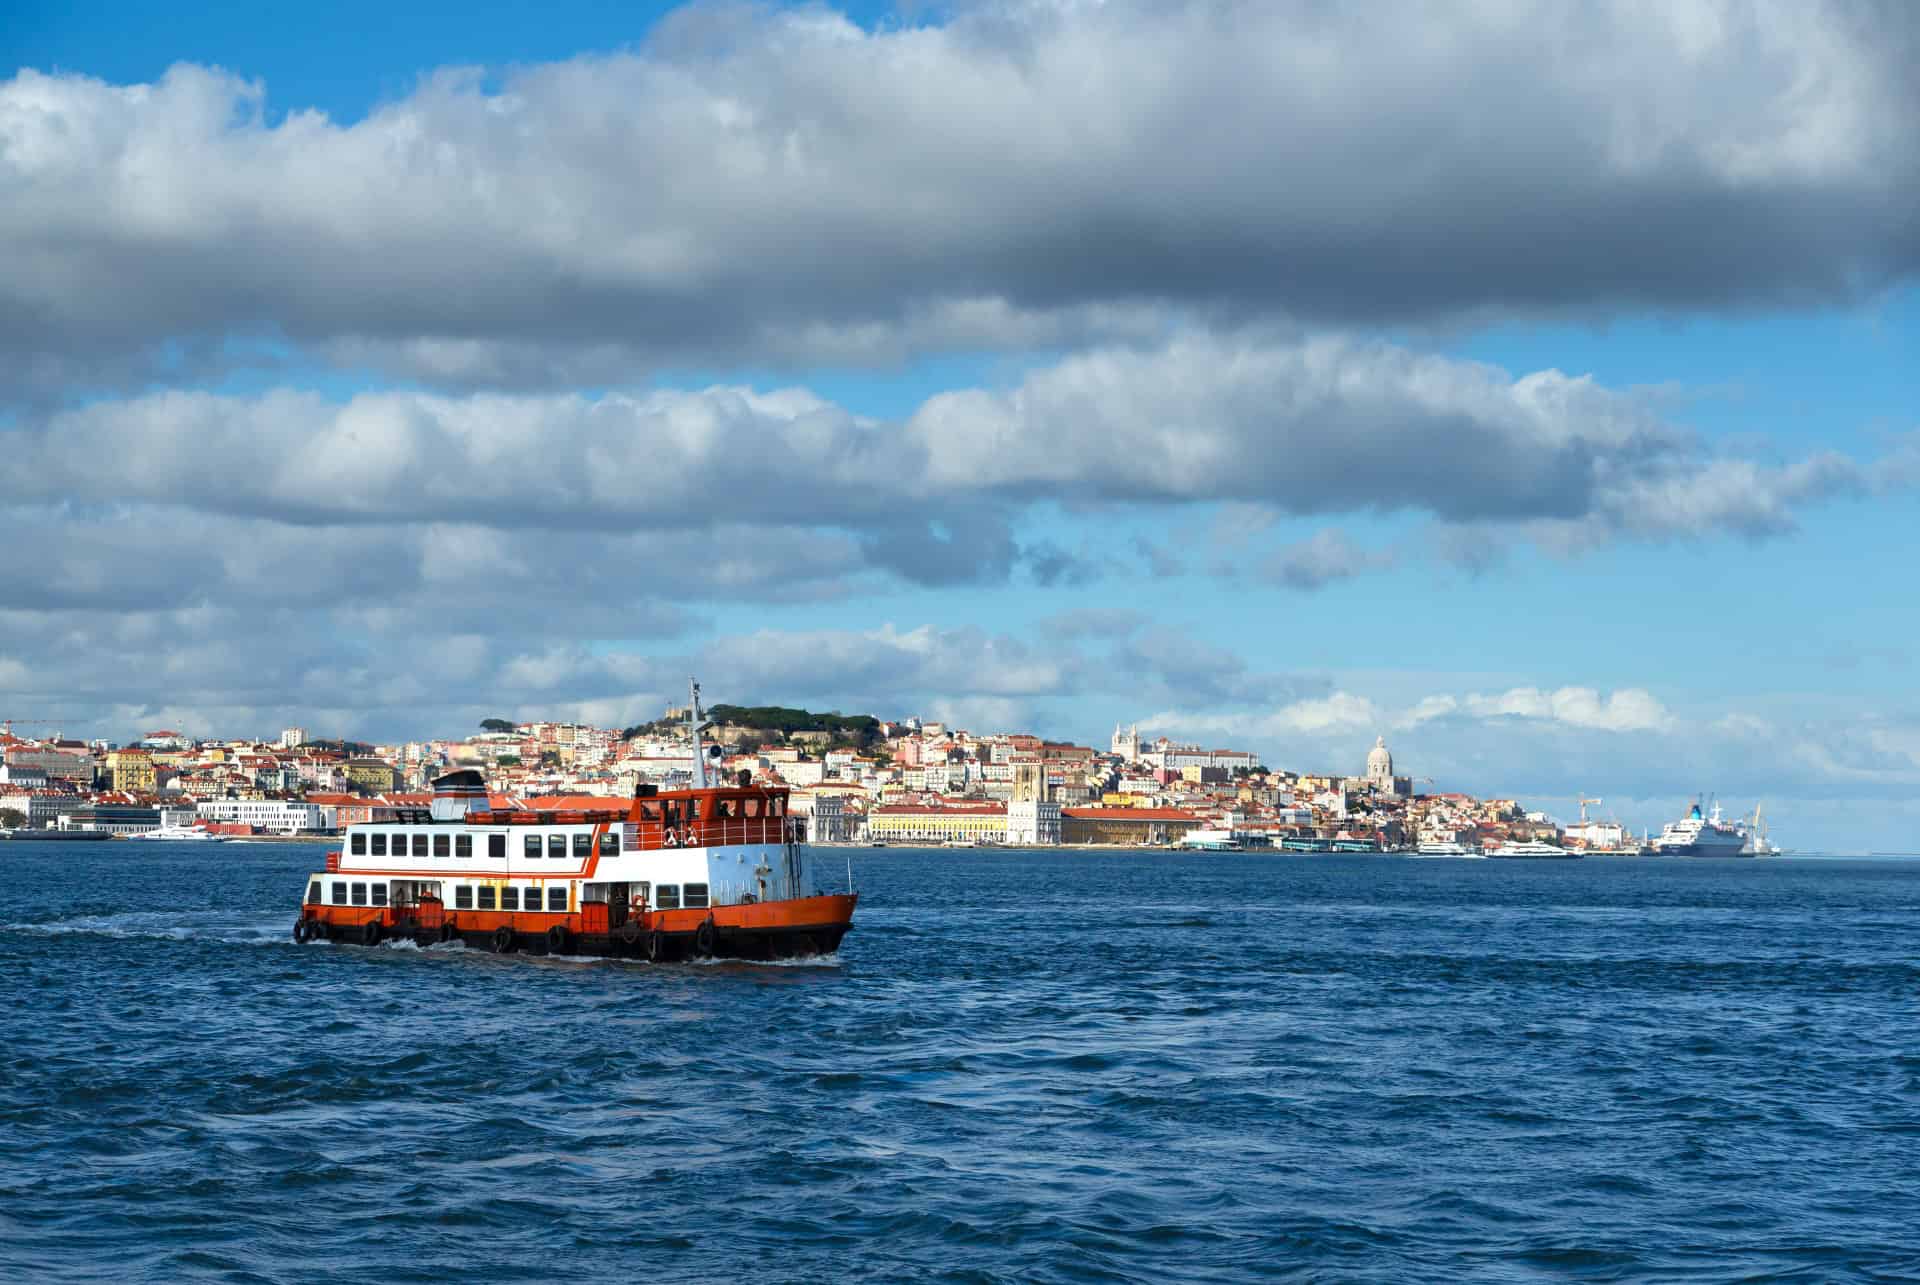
[[802, 927]]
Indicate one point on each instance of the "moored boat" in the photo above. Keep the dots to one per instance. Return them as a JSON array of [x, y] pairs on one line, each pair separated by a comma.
[[1701, 836], [711, 870], [1533, 849]]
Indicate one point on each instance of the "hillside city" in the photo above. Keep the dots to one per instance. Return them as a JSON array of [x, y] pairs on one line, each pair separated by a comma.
[[856, 780]]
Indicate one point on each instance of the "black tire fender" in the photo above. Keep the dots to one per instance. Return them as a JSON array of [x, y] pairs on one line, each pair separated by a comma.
[[370, 933], [557, 940], [502, 940], [703, 938]]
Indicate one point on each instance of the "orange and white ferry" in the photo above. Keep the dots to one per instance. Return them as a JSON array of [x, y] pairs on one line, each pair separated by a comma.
[[711, 870]]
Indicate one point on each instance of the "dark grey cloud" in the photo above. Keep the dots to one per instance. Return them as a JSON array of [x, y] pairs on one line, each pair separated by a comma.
[[1023, 175]]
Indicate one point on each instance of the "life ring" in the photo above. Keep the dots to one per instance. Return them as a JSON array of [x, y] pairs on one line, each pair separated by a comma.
[[557, 940], [447, 931], [630, 931], [656, 946], [703, 939], [502, 940], [669, 839], [370, 933]]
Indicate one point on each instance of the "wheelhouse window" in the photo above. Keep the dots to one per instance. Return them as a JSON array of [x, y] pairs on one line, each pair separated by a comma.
[[419, 845], [610, 844], [667, 896], [379, 843], [486, 897], [556, 897], [443, 845], [509, 899], [462, 845], [582, 846], [696, 898], [752, 808], [359, 894], [497, 846], [463, 897], [533, 847], [313, 893], [557, 846], [340, 894], [357, 845], [379, 894]]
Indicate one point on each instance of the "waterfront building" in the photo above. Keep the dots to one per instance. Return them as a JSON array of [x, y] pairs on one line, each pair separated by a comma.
[[1134, 827], [1033, 817], [114, 818], [131, 772], [274, 816], [957, 822]]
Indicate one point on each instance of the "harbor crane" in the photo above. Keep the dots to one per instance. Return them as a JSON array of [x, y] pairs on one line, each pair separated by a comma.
[[1584, 801], [6, 724]]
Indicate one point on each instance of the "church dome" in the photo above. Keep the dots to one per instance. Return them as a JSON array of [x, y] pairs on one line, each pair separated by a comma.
[[1379, 760]]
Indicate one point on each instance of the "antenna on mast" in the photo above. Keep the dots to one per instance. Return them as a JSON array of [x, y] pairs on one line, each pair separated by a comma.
[[695, 722]]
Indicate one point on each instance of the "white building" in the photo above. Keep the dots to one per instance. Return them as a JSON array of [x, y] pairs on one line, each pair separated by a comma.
[[292, 738], [275, 816]]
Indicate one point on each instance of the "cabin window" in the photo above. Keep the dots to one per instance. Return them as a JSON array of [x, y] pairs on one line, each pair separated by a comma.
[[486, 897], [379, 894], [463, 897], [777, 806], [667, 897], [693, 809], [533, 847], [557, 897], [358, 844], [509, 899], [379, 844], [497, 846], [751, 807], [723, 809], [359, 894], [313, 893], [462, 845], [339, 894], [419, 845], [442, 845], [610, 843], [557, 846], [696, 896], [582, 846], [650, 811]]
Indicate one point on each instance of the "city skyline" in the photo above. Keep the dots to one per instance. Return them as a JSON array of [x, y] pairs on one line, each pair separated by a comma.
[[1540, 400]]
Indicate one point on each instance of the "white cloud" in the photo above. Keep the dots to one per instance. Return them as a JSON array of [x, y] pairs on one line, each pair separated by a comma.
[[781, 185]]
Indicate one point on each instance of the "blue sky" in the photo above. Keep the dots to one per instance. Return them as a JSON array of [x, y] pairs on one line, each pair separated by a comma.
[[1051, 365]]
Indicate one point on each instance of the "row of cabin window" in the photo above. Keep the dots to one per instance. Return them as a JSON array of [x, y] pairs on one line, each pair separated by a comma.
[[666, 897], [461, 845], [673, 812], [360, 894], [509, 898]]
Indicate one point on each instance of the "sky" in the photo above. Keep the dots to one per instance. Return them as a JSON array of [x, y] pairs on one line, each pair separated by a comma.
[[1532, 385]]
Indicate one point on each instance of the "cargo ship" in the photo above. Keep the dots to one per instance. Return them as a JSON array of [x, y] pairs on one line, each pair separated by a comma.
[[714, 870]]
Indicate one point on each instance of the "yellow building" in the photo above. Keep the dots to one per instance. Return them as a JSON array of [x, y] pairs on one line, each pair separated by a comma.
[[1127, 827], [131, 771], [371, 775], [907, 823]]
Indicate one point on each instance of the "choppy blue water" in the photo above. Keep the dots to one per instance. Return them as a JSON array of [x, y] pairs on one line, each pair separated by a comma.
[[1020, 1067]]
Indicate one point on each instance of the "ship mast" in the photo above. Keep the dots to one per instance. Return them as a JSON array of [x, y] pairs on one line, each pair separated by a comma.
[[694, 724]]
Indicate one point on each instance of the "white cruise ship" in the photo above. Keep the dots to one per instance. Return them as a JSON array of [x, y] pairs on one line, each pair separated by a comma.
[[1535, 849], [1695, 835], [1440, 846]]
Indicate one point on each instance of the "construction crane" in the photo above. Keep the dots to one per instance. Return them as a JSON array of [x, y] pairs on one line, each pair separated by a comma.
[[1583, 801], [6, 724]]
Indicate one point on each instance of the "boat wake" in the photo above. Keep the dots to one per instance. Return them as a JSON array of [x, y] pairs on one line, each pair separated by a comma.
[[165, 925]]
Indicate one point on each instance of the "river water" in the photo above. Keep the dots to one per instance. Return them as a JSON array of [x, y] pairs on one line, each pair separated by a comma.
[[1021, 1066]]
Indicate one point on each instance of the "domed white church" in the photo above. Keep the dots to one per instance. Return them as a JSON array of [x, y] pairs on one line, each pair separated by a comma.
[[1379, 775]]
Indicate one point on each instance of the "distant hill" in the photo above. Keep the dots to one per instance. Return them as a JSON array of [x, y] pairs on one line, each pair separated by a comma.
[[856, 729]]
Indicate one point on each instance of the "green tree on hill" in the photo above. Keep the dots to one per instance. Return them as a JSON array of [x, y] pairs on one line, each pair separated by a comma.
[[496, 725]]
